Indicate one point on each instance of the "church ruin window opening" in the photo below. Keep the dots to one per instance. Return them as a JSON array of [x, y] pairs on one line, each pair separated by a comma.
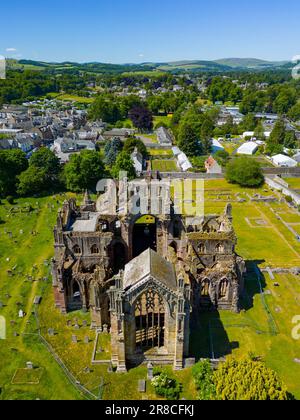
[[94, 249], [205, 285], [77, 250], [144, 235], [223, 289], [150, 321]]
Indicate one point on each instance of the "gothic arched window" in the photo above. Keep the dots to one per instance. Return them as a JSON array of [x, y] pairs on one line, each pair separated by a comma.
[[77, 250], [219, 249], [223, 289], [201, 248], [94, 249], [150, 320], [205, 288]]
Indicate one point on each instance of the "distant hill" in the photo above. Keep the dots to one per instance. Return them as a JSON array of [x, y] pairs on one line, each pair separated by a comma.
[[249, 63], [184, 66]]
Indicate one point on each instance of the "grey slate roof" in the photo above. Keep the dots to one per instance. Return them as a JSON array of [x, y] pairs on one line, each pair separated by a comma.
[[149, 263]]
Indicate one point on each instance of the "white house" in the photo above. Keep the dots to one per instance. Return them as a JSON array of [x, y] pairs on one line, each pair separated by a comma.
[[183, 162], [137, 160], [249, 148], [251, 134], [284, 161]]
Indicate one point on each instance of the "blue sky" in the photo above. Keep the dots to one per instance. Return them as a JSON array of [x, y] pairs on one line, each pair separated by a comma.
[[122, 31]]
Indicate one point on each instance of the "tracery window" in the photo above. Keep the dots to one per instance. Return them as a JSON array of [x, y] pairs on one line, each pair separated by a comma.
[[205, 288], [150, 320], [77, 250]]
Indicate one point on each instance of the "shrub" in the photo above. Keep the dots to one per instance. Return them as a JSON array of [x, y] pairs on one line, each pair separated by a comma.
[[203, 376], [166, 387]]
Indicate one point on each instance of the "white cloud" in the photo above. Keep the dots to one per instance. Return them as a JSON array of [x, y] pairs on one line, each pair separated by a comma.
[[11, 50]]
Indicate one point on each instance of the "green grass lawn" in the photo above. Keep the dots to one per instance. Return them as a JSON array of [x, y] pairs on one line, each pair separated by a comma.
[[74, 98], [230, 334], [164, 166], [294, 183]]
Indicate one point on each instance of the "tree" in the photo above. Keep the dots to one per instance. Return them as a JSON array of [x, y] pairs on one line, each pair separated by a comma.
[[132, 143], [259, 132], [290, 140], [222, 157], [141, 118], [207, 130], [245, 172], [106, 109], [12, 164], [111, 150], [124, 164], [276, 140], [249, 123], [83, 171], [44, 158], [32, 181], [294, 112], [188, 140], [248, 380]]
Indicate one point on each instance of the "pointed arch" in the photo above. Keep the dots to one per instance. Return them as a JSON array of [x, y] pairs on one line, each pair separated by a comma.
[[223, 288]]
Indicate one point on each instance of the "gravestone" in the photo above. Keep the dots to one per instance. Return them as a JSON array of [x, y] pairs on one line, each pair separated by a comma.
[[76, 326], [51, 332], [29, 365], [189, 362], [84, 324], [105, 328], [86, 340], [150, 371], [74, 339], [16, 334], [142, 386], [21, 314], [69, 323], [1, 304]]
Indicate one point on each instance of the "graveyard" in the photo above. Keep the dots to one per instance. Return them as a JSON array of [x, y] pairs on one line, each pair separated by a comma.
[[70, 361]]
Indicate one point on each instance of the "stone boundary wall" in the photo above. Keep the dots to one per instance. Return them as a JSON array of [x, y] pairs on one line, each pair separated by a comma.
[[286, 191]]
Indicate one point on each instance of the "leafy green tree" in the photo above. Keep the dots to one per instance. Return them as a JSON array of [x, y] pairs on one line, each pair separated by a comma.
[[132, 143], [106, 109], [244, 171], [294, 112], [44, 158], [207, 130], [276, 140], [12, 164], [124, 164], [32, 181], [259, 131], [188, 140], [249, 123], [290, 140], [222, 157], [83, 171], [248, 380]]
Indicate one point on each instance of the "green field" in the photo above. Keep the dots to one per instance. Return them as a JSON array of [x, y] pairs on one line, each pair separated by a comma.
[[263, 327]]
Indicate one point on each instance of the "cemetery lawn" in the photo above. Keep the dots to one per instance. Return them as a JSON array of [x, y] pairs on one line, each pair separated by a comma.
[[262, 238]]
